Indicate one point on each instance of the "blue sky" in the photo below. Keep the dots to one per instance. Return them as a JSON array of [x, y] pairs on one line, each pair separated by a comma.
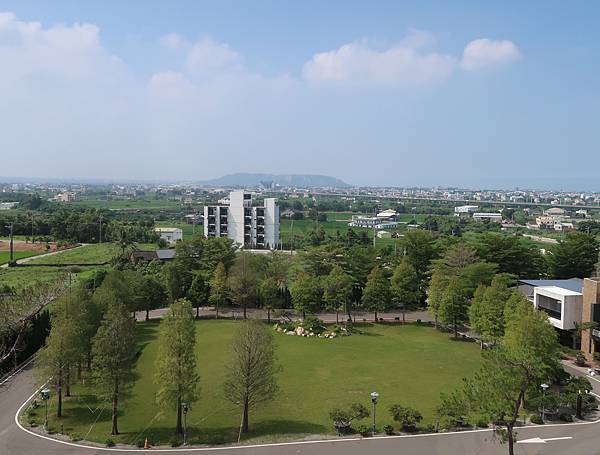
[[471, 94]]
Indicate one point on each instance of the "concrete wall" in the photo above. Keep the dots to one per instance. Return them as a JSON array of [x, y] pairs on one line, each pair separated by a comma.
[[591, 296]]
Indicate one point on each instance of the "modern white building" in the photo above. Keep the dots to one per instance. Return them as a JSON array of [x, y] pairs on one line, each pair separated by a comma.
[[465, 209], [563, 306], [247, 225], [492, 217], [171, 235]]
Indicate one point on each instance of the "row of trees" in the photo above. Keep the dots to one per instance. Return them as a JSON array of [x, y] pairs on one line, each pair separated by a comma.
[[93, 335]]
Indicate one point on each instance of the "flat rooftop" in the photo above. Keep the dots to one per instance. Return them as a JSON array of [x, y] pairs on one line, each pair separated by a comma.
[[572, 284]]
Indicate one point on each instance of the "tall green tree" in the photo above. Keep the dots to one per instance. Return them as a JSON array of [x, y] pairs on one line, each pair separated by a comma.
[[526, 357], [269, 295], [244, 279], [486, 313], [151, 294], [59, 356], [219, 290], [113, 352], [420, 249], [306, 294], [176, 371], [251, 373], [337, 287], [199, 292], [376, 295], [405, 286], [454, 305], [575, 256]]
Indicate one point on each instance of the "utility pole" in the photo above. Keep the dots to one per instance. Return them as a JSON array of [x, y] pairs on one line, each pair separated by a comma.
[[292, 235], [194, 225], [32, 231], [100, 234], [11, 226]]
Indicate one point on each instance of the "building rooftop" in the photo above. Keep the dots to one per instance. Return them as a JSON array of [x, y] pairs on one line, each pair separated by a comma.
[[572, 284], [558, 290]]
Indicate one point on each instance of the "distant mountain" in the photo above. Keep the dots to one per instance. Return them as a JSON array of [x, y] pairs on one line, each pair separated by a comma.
[[297, 180]]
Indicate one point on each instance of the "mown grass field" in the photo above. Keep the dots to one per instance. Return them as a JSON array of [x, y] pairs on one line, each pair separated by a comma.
[[20, 277], [410, 365], [5, 255], [88, 254]]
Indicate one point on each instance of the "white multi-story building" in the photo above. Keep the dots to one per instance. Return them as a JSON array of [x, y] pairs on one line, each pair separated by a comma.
[[169, 234], [247, 225]]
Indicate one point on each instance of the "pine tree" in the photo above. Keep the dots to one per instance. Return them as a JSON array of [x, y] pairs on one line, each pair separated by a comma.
[[176, 369], [250, 379], [113, 354], [405, 286], [337, 290], [454, 305]]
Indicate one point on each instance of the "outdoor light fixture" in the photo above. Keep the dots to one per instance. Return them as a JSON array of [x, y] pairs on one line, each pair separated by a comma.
[[374, 396], [185, 406], [544, 387], [45, 395]]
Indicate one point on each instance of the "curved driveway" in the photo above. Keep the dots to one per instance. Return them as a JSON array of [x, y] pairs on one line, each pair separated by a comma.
[[579, 439]]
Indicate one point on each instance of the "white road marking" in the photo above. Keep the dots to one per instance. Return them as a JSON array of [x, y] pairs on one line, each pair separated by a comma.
[[18, 371], [539, 440]]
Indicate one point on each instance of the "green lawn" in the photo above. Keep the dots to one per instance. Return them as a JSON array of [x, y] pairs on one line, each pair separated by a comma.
[[89, 254], [20, 277], [5, 255], [409, 365]]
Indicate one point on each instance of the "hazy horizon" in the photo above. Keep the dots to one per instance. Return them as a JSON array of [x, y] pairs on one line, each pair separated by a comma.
[[466, 94]]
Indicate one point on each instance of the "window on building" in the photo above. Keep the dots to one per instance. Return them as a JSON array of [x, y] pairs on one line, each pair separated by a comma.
[[550, 306]]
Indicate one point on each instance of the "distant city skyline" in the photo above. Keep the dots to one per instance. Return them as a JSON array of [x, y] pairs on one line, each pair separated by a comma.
[[464, 94]]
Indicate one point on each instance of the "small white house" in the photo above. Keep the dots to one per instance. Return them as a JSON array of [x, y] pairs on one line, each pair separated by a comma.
[[171, 235]]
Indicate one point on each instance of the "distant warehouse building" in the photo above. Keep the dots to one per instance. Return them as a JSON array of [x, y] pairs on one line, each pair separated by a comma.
[[465, 209], [492, 217], [241, 221], [171, 235]]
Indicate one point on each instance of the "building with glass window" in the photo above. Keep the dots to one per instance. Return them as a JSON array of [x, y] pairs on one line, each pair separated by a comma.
[[253, 226]]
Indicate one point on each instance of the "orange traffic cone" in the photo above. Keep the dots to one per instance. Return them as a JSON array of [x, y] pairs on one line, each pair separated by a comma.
[[146, 445]]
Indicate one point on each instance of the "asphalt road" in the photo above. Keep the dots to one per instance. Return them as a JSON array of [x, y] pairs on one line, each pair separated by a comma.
[[574, 439]]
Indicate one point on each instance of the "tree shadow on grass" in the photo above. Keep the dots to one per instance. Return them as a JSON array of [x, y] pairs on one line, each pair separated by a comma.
[[269, 430]]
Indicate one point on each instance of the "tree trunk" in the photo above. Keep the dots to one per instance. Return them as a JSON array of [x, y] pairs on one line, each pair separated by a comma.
[[245, 417], [269, 315], [68, 383], [197, 311], [59, 394], [435, 322], [376, 316], [217, 311], [511, 440], [147, 314], [455, 330], [337, 316], [178, 427], [115, 402], [403, 316]]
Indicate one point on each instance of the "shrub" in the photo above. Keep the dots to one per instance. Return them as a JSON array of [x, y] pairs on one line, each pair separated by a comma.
[[536, 419], [109, 443], [342, 418], [388, 429], [140, 442], [364, 430], [431, 428], [174, 442], [580, 359], [408, 417], [566, 417], [597, 357], [75, 437], [482, 424], [50, 430]]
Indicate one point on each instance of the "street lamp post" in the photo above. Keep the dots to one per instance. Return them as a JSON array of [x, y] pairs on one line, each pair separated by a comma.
[[544, 388], [374, 396], [185, 405], [45, 395]]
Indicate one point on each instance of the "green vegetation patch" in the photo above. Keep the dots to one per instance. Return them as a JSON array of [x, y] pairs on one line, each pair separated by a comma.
[[5, 255], [88, 254], [408, 364]]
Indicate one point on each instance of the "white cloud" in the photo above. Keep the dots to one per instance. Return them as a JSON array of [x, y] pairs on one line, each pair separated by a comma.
[[208, 55], [402, 64], [173, 41], [483, 53]]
